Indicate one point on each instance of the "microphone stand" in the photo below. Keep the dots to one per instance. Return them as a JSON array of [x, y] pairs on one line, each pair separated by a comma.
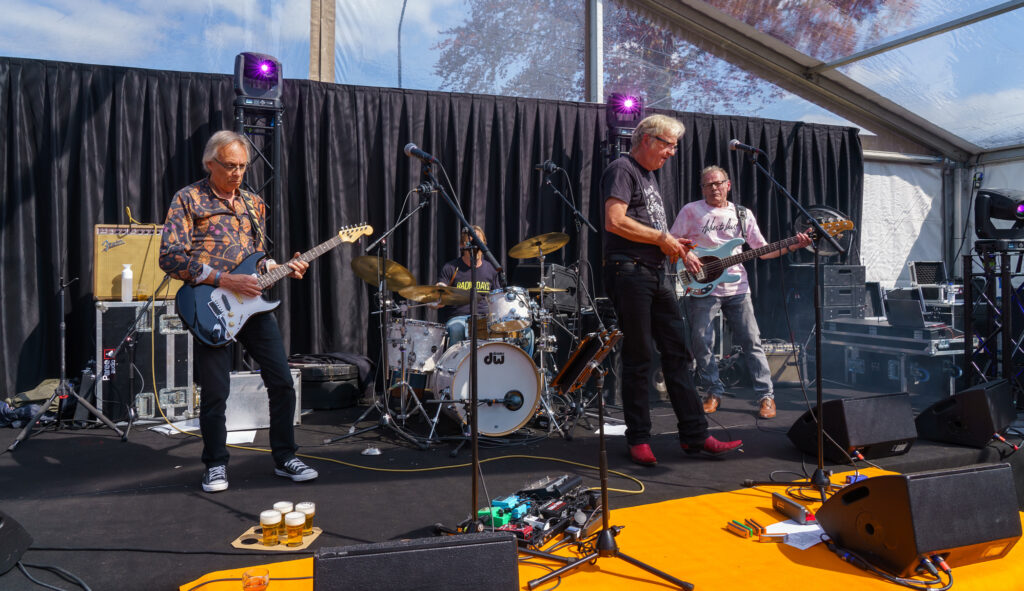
[[129, 341], [819, 479], [63, 388], [578, 407], [478, 246]]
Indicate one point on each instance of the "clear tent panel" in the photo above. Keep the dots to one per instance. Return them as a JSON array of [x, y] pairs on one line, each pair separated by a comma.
[[968, 81]]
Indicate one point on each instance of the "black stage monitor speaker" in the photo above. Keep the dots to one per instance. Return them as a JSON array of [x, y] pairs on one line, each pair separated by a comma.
[[14, 540], [468, 562], [877, 426], [965, 515], [970, 417]]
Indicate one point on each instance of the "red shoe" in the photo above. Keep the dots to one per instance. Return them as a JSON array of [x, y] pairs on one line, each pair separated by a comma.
[[712, 446], [642, 454]]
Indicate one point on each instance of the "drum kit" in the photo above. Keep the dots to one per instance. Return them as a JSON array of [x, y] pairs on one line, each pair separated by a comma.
[[424, 371]]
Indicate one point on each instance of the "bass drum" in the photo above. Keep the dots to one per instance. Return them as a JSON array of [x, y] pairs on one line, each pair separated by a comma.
[[508, 385]]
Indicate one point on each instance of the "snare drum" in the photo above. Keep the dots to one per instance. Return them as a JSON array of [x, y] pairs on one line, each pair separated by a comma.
[[508, 310], [508, 385], [424, 344]]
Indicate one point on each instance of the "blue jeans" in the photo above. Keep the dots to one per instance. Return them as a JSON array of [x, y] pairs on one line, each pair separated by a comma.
[[458, 331], [738, 311], [646, 306]]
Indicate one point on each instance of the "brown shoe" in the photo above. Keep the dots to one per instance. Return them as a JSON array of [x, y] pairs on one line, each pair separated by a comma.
[[711, 404], [767, 408]]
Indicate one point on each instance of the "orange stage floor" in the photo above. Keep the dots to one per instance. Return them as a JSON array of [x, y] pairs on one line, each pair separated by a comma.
[[686, 538]]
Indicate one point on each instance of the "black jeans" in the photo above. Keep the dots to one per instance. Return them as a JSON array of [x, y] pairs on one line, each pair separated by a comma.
[[262, 339], [646, 306]]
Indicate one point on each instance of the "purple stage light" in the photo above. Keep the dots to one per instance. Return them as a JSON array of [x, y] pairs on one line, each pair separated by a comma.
[[258, 75], [624, 110]]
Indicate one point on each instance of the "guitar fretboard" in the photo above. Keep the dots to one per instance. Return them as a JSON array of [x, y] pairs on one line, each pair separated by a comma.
[[345, 235]]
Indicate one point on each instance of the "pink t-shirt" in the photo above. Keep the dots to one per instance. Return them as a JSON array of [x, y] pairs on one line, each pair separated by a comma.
[[709, 227]]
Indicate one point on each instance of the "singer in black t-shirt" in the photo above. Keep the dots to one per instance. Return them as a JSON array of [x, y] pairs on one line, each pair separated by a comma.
[[636, 245]]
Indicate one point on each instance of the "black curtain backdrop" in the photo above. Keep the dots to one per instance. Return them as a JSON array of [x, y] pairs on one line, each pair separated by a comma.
[[79, 143]]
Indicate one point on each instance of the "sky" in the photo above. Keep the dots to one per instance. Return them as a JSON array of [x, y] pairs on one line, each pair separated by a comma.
[[968, 81]]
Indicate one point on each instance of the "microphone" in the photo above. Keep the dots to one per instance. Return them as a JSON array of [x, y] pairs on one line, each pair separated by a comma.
[[412, 151], [546, 166], [736, 145], [513, 400]]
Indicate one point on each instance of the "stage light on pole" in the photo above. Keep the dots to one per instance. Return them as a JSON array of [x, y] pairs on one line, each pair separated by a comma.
[[999, 204], [623, 110], [258, 80]]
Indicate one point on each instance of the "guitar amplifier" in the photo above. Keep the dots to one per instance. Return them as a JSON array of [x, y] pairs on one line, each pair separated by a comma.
[[137, 245], [163, 357]]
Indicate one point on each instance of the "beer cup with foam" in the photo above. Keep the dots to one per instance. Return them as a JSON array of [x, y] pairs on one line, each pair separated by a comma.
[[271, 523], [293, 523], [308, 509]]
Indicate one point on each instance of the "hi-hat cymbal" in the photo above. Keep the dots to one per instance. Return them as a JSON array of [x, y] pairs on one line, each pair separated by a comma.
[[547, 290], [370, 268], [436, 294], [538, 245]]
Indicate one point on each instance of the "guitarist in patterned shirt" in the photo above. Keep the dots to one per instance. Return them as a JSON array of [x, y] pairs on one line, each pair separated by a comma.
[[211, 227]]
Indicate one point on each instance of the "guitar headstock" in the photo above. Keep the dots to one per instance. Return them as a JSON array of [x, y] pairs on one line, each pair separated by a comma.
[[353, 233], [836, 227]]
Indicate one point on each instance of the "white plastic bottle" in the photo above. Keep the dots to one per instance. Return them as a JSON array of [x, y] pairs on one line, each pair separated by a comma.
[[126, 283]]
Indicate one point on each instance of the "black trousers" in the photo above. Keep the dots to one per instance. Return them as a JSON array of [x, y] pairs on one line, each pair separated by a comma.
[[261, 338], [647, 308]]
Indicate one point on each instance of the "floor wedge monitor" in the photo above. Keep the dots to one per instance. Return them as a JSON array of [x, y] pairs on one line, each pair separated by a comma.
[[965, 515], [970, 417], [14, 540], [467, 562], [876, 426]]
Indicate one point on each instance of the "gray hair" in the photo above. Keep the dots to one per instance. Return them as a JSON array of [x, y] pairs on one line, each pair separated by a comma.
[[713, 168], [657, 125], [224, 137]]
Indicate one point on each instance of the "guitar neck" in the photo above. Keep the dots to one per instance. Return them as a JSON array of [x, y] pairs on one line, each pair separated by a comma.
[[756, 252], [278, 273]]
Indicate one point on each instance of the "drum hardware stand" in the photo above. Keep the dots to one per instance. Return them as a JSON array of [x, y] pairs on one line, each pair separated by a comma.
[[545, 344], [819, 479], [385, 307], [63, 389], [586, 360]]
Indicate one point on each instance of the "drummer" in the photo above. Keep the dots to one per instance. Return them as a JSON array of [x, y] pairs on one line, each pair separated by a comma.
[[456, 273]]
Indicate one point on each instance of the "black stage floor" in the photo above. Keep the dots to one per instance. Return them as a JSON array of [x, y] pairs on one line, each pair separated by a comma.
[[132, 515]]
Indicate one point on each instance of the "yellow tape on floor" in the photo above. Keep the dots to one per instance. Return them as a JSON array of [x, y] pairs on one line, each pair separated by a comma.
[[687, 539]]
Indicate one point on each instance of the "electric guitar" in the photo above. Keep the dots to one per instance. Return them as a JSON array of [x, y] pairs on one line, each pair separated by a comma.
[[716, 260], [214, 315]]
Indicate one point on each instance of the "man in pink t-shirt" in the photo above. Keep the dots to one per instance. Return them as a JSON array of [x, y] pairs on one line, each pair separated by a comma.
[[709, 224]]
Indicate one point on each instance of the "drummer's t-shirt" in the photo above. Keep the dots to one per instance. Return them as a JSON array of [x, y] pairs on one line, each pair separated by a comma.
[[455, 273]]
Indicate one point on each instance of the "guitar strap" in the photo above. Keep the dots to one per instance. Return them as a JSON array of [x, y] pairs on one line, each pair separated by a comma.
[[255, 224], [741, 218]]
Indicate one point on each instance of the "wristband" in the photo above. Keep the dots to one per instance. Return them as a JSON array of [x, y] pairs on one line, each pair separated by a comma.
[[216, 279]]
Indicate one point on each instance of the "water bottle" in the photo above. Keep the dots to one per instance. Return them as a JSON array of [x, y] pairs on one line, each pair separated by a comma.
[[126, 283]]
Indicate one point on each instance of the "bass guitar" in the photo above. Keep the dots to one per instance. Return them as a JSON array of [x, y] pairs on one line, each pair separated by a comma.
[[214, 315], [716, 260]]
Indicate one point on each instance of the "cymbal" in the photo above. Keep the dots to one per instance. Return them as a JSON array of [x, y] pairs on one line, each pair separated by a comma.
[[440, 294], [396, 276], [547, 290], [538, 245]]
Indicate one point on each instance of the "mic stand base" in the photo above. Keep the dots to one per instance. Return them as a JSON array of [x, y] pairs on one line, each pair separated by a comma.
[[384, 421], [62, 390]]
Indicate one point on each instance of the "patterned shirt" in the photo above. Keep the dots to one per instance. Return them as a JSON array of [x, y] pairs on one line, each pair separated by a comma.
[[205, 232]]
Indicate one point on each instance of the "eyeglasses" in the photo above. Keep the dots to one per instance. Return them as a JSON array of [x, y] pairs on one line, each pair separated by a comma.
[[230, 167], [714, 184], [673, 145]]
